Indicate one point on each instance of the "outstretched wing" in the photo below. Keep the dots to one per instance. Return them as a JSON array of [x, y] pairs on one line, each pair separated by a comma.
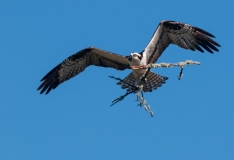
[[183, 35], [77, 63]]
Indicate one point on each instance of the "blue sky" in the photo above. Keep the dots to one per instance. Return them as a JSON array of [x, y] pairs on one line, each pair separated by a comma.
[[194, 117]]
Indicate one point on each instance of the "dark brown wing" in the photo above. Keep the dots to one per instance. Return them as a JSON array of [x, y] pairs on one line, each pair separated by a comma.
[[77, 63], [183, 35]]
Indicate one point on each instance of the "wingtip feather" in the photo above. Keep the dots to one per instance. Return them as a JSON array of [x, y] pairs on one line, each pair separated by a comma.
[[204, 32]]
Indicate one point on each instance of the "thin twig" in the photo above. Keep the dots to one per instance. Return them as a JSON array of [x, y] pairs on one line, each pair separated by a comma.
[[144, 104], [121, 80], [181, 73], [120, 98], [167, 65], [138, 89]]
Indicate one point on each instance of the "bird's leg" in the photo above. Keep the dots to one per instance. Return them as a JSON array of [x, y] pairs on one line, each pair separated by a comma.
[[143, 79], [140, 87]]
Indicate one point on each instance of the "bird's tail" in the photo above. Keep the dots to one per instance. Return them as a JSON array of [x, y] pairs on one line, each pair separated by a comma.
[[153, 81]]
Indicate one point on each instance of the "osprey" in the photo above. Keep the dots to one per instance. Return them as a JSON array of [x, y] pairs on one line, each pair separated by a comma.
[[167, 32]]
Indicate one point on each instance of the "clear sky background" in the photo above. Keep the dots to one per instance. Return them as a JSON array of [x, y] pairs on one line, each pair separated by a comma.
[[193, 118]]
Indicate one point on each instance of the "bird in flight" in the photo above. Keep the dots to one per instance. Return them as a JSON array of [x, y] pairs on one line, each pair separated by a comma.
[[167, 32]]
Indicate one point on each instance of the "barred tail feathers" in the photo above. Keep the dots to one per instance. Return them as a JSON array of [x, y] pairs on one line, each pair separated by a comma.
[[153, 81], [130, 79]]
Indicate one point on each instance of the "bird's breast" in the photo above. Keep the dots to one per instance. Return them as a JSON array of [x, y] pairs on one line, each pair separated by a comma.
[[138, 74]]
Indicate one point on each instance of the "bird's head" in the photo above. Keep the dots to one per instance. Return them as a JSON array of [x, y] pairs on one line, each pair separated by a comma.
[[134, 58]]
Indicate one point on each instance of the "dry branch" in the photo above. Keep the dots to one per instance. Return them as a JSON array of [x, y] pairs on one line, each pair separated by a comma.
[[138, 89]]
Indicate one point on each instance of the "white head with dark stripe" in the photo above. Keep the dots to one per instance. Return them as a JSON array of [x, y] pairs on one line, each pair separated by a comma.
[[134, 58]]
